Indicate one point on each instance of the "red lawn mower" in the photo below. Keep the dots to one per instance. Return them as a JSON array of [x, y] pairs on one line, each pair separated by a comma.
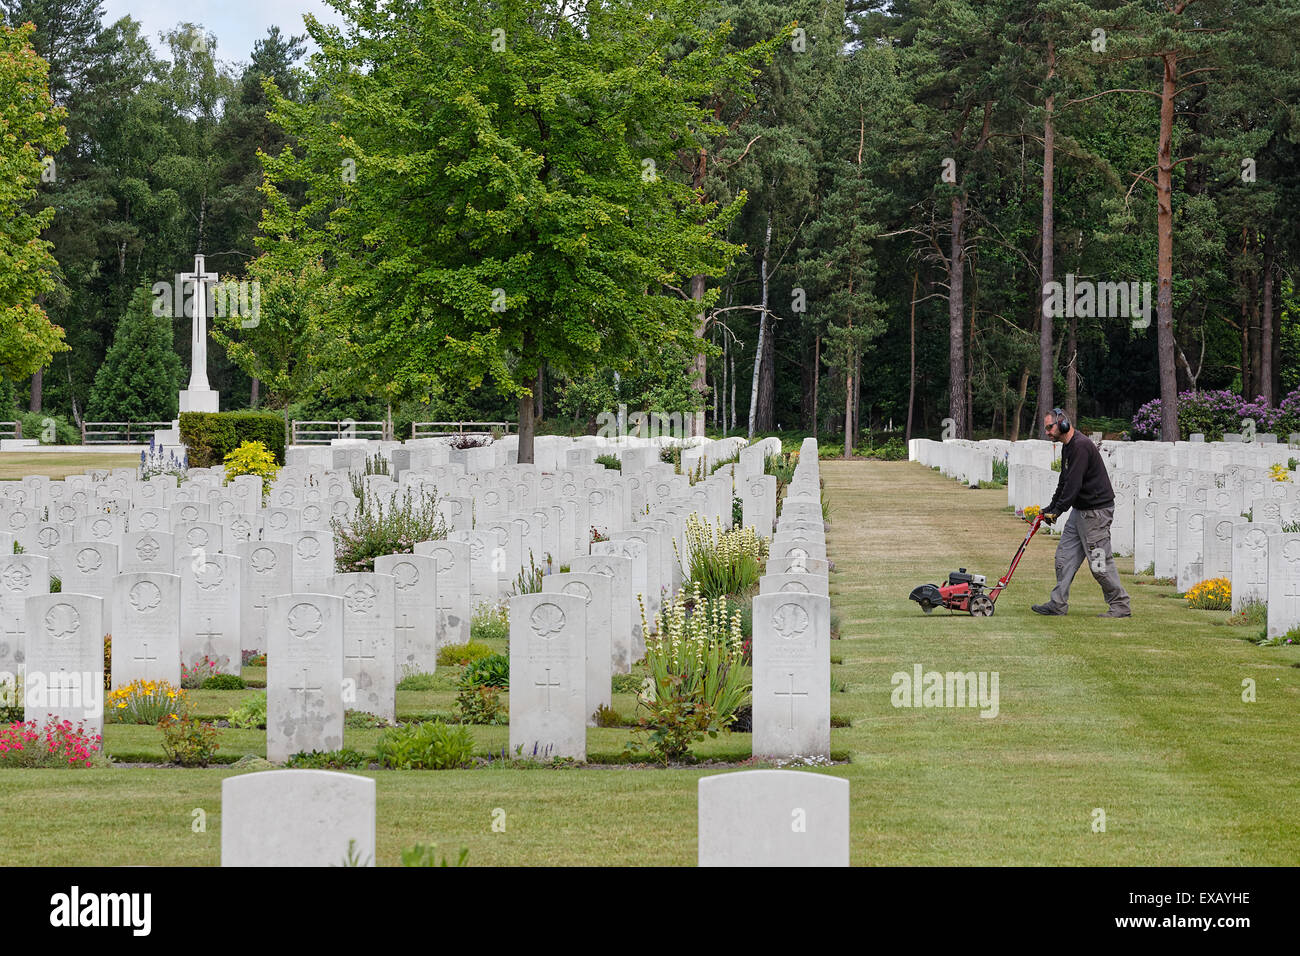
[[965, 592]]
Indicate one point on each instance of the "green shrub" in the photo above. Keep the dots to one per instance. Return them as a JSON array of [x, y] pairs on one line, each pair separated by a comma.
[[252, 458], [608, 717], [1001, 471], [481, 705], [491, 622], [722, 562], [892, 450], [224, 682], [188, 741], [432, 746], [210, 436], [250, 714], [377, 529], [610, 461], [490, 671], [65, 432], [456, 655], [345, 759], [418, 680], [626, 683]]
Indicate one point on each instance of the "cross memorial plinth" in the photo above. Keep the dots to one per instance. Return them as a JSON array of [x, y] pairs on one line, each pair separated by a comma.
[[199, 395]]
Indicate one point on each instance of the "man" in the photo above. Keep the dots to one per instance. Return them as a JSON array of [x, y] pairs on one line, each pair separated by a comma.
[[1085, 487]]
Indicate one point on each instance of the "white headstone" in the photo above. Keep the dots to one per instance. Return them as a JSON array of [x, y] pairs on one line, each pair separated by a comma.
[[369, 646], [792, 673], [415, 578], [304, 678], [548, 676], [297, 818], [65, 660], [146, 627], [773, 818]]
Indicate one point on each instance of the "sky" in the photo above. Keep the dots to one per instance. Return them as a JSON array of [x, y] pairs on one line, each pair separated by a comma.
[[236, 23]]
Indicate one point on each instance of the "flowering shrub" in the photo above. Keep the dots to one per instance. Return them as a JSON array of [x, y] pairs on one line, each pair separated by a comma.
[[145, 702], [252, 659], [1031, 512], [376, 529], [1214, 412], [188, 741], [1212, 595], [57, 744], [252, 458], [194, 674], [729, 562], [154, 462], [694, 664], [1279, 473], [597, 535]]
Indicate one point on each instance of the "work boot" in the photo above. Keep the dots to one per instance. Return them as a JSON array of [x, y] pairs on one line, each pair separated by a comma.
[[1048, 609]]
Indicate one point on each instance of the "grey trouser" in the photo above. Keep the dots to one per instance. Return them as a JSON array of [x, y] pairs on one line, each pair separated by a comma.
[[1087, 538]]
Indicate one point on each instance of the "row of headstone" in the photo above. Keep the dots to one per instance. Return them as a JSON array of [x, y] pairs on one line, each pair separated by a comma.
[[791, 638]]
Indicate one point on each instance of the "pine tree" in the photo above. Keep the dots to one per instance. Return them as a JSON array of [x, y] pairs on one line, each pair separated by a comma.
[[141, 374]]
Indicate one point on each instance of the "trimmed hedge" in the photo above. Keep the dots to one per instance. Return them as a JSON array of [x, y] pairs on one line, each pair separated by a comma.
[[210, 436]]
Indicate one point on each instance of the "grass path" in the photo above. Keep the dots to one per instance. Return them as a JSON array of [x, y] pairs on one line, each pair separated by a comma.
[[1141, 718]]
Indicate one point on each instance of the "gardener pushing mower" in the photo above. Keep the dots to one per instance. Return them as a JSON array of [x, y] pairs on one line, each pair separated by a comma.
[[1085, 487]]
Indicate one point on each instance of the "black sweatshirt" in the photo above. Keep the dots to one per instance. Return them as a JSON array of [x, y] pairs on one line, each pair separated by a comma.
[[1084, 483]]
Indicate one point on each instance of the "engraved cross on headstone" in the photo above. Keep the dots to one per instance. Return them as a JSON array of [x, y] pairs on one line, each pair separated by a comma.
[[792, 694], [548, 684], [305, 689], [358, 656], [404, 626], [146, 658], [210, 633]]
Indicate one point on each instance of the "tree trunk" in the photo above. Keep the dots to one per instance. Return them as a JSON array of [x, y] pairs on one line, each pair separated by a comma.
[[1256, 363], [817, 377], [1046, 372], [1247, 385], [956, 324], [38, 380], [760, 347], [698, 169], [857, 395], [1020, 404], [537, 393], [848, 406], [526, 429], [1072, 372], [253, 392], [911, 371], [1165, 255], [1266, 327]]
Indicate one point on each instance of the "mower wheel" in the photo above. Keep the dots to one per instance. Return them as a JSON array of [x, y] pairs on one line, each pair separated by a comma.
[[927, 608], [981, 605]]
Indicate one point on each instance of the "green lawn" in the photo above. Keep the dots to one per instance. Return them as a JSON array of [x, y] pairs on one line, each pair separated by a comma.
[[58, 464], [1142, 718]]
